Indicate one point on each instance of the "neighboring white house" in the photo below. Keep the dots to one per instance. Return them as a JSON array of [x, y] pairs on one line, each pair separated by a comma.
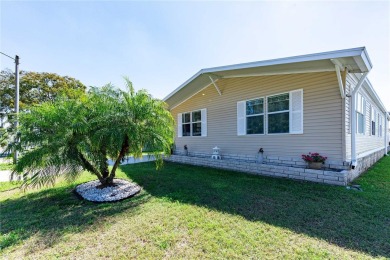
[[286, 107]]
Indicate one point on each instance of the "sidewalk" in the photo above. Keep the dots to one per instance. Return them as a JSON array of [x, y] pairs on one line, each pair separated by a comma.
[[132, 160], [5, 175]]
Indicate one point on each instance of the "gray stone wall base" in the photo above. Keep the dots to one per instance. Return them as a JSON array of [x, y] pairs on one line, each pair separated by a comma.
[[364, 163], [333, 172], [263, 158], [321, 176]]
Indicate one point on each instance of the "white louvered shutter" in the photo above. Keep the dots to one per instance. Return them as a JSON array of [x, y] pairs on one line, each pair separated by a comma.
[[204, 121], [241, 122], [179, 125], [296, 112]]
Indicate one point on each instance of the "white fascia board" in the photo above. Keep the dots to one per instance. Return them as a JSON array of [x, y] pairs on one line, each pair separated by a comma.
[[366, 59], [279, 73], [184, 84], [372, 92], [295, 59], [363, 61]]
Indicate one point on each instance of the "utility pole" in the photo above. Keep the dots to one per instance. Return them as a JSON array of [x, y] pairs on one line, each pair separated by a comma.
[[16, 99], [16, 104]]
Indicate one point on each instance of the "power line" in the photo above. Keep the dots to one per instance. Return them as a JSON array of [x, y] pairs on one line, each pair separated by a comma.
[[7, 55]]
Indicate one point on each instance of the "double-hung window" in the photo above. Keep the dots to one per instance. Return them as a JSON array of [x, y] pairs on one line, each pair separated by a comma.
[[360, 109], [186, 126], [278, 114], [192, 123], [380, 125], [196, 121], [255, 116], [373, 120]]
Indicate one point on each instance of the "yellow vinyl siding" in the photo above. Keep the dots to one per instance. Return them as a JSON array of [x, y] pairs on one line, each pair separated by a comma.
[[366, 142], [322, 119]]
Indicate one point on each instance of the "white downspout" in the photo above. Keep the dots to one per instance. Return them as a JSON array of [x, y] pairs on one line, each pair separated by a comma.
[[353, 121], [353, 130]]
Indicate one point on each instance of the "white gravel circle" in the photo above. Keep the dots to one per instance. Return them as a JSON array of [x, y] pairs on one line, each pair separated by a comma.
[[122, 189]]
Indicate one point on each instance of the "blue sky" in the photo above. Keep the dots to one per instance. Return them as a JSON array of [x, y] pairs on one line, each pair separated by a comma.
[[159, 45]]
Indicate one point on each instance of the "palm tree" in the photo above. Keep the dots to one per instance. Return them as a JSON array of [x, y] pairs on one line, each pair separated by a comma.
[[68, 136]]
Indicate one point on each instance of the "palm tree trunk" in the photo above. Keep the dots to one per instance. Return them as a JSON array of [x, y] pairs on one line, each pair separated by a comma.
[[122, 153], [104, 164], [89, 167]]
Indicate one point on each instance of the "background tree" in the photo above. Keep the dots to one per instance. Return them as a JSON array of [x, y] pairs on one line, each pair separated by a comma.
[[35, 88], [72, 135], [3, 138]]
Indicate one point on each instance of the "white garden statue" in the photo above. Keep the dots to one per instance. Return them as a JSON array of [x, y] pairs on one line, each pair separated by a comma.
[[216, 154]]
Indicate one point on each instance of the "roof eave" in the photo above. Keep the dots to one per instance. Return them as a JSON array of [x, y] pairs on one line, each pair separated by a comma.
[[184, 84], [375, 96], [359, 54], [294, 59], [363, 61]]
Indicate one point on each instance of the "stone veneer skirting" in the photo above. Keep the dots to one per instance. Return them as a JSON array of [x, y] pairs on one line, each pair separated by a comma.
[[268, 159], [364, 163], [277, 169], [298, 173]]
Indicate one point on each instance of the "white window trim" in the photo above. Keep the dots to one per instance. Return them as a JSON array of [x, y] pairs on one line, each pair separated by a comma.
[[364, 124], [203, 122], [261, 114], [373, 120], [278, 112], [266, 113], [360, 110], [281, 111], [189, 123]]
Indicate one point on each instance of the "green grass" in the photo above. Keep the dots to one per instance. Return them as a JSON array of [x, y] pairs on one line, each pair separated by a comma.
[[193, 212], [6, 166], [9, 185]]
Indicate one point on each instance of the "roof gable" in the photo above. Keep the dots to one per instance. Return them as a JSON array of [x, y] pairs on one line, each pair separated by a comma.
[[356, 60]]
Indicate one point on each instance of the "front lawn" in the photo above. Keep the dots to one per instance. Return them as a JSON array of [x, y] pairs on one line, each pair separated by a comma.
[[6, 166], [193, 212]]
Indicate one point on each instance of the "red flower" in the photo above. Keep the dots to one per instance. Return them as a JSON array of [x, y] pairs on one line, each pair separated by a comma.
[[314, 157]]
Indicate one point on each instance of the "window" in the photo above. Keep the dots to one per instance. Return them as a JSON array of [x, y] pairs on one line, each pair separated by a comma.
[[278, 114], [196, 123], [360, 109], [373, 120], [255, 116], [380, 125], [192, 123], [186, 124]]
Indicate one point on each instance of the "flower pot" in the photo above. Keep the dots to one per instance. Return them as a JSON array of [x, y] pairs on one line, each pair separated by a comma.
[[315, 165]]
